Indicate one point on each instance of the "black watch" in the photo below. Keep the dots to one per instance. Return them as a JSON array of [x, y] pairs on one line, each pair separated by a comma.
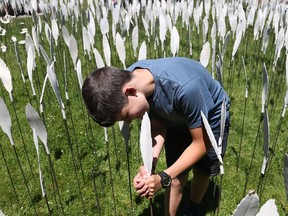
[[165, 179]]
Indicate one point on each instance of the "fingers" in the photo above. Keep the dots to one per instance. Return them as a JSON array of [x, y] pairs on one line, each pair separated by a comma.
[[139, 185], [144, 186], [143, 172], [154, 185]]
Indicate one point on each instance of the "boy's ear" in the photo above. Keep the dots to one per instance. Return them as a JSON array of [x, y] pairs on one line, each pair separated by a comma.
[[130, 91]]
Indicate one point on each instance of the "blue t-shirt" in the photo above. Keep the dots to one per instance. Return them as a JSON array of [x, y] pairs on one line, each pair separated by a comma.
[[183, 88]]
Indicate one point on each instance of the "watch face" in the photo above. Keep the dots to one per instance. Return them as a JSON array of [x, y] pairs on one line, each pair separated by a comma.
[[165, 179], [167, 182]]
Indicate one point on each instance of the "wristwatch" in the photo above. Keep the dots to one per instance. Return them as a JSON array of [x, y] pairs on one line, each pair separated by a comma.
[[165, 179]]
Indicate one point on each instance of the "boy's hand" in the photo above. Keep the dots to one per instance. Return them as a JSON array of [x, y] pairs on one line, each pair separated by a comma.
[[139, 182], [154, 185]]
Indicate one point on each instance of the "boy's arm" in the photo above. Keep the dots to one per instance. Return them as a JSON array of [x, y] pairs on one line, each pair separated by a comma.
[[189, 157], [193, 153], [158, 132]]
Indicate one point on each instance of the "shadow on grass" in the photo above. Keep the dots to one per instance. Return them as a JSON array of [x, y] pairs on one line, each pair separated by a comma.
[[210, 202]]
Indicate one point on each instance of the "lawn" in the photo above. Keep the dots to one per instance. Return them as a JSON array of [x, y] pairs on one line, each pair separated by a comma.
[[88, 169]]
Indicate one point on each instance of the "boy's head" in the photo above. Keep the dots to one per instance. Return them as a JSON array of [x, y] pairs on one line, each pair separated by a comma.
[[103, 96]]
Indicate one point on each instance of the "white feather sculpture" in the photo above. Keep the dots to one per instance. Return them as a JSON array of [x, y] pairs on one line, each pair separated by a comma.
[[34, 4], [42, 93], [106, 50], [142, 51], [266, 136], [162, 30], [146, 143], [1, 213], [5, 120], [135, 39], [48, 33], [197, 14], [146, 27], [98, 59], [286, 39], [79, 73], [73, 48], [6, 78], [251, 15], [246, 79], [35, 39], [120, 47], [86, 41], [233, 22], [205, 54], [236, 43], [37, 124], [265, 40], [279, 46], [213, 37], [30, 60], [221, 26], [55, 30], [39, 131], [175, 41], [91, 25], [213, 141], [64, 10], [268, 209], [286, 70], [91, 36], [286, 97], [265, 88], [285, 104], [207, 7], [248, 205], [53, 81], [104, 25], [30, 63], [66, 35], [222, 124]]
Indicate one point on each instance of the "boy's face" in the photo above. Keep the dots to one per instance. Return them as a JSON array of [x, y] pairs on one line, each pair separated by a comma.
[[136, 108]]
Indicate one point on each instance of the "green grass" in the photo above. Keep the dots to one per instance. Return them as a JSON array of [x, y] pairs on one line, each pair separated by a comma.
[[107, 191]]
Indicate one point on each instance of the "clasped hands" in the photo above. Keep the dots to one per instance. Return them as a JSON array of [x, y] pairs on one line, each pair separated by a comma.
[[146, 186]]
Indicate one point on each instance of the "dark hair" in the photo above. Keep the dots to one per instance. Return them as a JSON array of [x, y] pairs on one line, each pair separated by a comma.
[[103, 96]]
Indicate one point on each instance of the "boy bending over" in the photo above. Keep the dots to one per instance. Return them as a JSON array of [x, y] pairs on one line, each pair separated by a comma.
[[173, 91]]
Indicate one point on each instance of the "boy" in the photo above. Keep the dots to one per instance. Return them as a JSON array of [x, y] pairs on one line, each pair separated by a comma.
[[173, 91]]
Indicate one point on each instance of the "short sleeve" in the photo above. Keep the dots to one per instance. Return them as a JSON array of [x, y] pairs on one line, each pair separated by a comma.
[[194, 97]]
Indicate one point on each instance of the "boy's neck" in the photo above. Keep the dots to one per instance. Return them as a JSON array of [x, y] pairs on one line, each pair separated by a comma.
[[143, 81]]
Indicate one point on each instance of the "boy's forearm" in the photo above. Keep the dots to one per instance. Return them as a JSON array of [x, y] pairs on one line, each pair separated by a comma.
[[158, 131], [159, 143], [193, 153]]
